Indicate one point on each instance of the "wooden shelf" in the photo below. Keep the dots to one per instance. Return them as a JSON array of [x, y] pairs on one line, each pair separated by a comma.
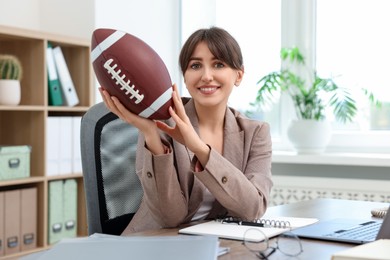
[[16, 182], [25, 124]]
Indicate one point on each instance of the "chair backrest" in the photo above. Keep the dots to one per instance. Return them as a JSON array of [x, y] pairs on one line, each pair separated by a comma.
[[112, 189]]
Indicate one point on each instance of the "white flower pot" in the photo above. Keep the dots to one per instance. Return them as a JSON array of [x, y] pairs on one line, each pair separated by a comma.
[[10, 92], [309, 136]]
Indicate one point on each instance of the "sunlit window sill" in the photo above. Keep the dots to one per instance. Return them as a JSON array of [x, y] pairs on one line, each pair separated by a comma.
[[333, 158]]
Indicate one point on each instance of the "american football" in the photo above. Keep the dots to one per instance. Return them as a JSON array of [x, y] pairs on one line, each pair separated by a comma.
[[132, 71]]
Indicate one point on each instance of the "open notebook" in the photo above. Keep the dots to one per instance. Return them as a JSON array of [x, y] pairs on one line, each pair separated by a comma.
[[236, 232]]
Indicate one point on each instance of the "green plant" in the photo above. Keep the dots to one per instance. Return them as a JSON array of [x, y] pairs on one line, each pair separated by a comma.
[[10, 67], [310, 100]]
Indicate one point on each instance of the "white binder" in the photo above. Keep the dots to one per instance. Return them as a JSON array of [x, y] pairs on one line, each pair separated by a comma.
[[68, 90], [65, 145], [76, 155], [53, 145]]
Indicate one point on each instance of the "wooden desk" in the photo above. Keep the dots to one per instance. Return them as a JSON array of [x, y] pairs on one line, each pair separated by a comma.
[[322, 209]]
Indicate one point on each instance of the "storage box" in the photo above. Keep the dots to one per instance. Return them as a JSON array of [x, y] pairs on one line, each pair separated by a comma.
[[14, 162]]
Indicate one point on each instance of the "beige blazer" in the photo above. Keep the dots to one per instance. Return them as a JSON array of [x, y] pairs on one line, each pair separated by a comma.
[[240, 179]]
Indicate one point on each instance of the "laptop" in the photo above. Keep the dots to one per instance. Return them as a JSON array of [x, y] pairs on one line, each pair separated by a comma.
[[353, 231]]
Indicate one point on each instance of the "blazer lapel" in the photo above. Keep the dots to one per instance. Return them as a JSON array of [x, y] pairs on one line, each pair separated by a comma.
[[233, 148], [197, 189]]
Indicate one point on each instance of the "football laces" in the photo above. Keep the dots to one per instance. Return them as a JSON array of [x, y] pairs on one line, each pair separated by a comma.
[[125, 85]]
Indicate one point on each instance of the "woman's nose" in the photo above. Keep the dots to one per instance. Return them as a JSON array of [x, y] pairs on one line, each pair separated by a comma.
[[207, 75]]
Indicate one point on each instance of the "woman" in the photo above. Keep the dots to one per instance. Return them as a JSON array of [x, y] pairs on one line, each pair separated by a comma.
[[208, 160]]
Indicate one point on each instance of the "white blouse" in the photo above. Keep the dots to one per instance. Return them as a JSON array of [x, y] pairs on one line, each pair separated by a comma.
[[205, 206]]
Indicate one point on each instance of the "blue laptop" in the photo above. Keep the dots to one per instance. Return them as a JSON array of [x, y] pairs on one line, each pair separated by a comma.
[[347, 230]]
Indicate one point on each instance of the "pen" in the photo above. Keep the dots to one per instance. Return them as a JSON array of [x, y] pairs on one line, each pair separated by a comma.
[[243, 223]]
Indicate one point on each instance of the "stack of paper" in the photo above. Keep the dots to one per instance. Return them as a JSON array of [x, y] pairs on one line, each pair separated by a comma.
[[377, 250]]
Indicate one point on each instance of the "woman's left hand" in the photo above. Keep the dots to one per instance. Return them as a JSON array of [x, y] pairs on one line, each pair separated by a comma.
[[183, 132]]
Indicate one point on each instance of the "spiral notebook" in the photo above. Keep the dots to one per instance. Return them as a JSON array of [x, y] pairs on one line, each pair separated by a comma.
[[379, 212], [234, 230]]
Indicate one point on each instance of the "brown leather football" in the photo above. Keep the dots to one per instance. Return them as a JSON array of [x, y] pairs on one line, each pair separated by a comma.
[[132, 71]]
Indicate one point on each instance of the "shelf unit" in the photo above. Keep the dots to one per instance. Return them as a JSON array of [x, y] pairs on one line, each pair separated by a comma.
[[25, 124]]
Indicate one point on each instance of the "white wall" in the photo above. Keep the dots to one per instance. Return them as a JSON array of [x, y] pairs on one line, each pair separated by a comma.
[[66, 17], [154, 21], [197, 14], [11, 13]]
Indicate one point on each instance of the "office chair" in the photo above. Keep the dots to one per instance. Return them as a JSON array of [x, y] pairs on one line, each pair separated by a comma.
[[112, 189]]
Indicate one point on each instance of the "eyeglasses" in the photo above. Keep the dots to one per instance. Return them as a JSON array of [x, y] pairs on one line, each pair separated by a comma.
[[257, 242]]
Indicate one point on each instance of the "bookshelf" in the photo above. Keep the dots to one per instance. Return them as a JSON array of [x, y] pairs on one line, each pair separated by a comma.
[[25, 124]]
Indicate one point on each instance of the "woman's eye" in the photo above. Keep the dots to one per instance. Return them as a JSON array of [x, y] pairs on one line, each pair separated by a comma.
[[219, 65], [195, 66]]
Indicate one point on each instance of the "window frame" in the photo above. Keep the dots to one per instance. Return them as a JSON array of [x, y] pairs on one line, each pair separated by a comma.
[[302, 33]]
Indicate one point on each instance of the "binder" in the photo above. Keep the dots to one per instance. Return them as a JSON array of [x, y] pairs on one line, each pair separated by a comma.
[[76, 155], [28, 220], [12, 221], [2, 216], [60, 146], [55, 95], [55, 228], [53, 146], [65, 146], [68, 89], [70, 208]]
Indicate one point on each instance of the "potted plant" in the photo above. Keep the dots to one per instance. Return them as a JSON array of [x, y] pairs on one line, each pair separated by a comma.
[[311, 96], [10, 76]]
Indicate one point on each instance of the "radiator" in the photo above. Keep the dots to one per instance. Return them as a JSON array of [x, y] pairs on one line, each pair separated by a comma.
[[289, 189]]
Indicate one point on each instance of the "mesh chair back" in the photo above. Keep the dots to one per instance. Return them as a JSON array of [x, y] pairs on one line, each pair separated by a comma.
[[112, 188]]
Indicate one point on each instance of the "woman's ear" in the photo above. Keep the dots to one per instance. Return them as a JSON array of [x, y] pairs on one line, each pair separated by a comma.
[[240, 75]]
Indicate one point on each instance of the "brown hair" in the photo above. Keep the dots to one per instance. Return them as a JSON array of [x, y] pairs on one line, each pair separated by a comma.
[[221, 44]]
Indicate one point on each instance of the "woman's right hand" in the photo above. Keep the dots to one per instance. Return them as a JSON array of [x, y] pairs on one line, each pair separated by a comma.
[[116, 107], [146, 126]]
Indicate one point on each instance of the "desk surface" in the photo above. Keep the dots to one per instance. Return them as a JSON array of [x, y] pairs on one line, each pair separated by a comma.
[[323, 209]]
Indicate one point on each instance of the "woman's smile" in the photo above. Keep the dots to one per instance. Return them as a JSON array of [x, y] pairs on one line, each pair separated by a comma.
[[207, 90]]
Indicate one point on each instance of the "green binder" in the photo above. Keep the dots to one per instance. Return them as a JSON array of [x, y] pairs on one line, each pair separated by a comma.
[[56, 225], [70, 208], [55, 95]]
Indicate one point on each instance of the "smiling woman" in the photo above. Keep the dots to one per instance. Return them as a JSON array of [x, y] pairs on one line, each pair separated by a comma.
[[187, 164], [203, 72]]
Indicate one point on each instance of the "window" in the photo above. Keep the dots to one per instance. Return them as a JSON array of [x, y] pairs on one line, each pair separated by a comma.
[[343, 37], [256, 27], [352, 44]]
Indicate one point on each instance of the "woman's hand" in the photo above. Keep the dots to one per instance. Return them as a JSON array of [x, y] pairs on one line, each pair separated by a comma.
[[116, 107], [146, 126], [183, 132]]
